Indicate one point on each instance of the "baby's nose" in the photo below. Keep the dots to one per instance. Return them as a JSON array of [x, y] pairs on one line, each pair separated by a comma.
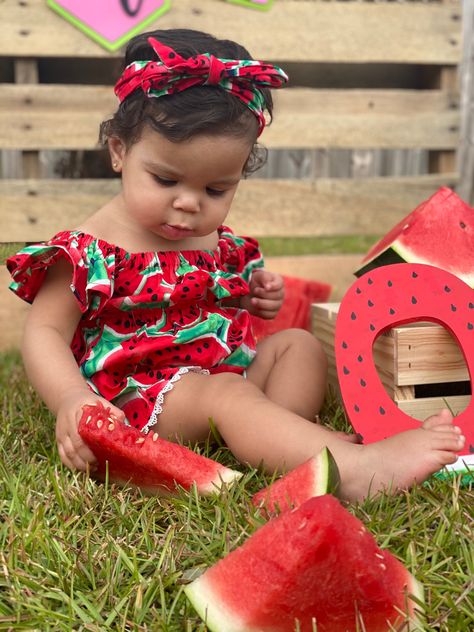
[[187, 201]]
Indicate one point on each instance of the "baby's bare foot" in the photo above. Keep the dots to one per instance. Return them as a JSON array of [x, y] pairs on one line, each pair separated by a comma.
[[402, 460]]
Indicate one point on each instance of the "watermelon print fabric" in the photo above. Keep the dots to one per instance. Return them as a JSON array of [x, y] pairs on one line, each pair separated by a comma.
[[148, 318]]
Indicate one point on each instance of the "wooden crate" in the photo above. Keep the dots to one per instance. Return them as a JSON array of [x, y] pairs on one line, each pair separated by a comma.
[[56, 86], [420, 365]]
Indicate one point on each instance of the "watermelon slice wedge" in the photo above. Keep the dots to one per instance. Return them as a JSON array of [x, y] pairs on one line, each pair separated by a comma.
[[317, 476], [439, 232], [155, 465], [316, 567]]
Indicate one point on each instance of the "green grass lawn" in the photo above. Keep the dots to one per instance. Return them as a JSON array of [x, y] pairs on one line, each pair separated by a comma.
[[77, 555]]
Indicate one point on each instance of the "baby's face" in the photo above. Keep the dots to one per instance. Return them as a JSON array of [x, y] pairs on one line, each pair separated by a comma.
[[180, 192]]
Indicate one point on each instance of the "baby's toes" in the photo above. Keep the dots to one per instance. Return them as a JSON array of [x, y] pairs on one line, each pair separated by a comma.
[[449, 440], [443, 418]]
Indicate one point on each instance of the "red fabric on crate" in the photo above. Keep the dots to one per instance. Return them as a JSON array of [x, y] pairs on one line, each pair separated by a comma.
[[296, 309]]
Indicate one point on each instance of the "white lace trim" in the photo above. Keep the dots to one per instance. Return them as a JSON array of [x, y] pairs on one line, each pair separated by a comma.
[[158, 408]]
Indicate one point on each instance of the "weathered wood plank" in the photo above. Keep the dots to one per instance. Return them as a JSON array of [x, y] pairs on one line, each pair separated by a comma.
[[35, 209], [333, 32], [30, 118]]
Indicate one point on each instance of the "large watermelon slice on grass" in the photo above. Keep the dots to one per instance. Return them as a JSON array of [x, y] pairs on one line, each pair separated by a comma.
[[439, 232], [147, 461], [316, 567], [317, 476]]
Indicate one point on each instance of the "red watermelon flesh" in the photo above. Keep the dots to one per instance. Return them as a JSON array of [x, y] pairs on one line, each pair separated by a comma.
[[439, 232], [316, 565], [153, 464], [317, 476]]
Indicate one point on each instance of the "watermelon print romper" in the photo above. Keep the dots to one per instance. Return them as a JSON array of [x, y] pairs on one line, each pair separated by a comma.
[[148, 318]]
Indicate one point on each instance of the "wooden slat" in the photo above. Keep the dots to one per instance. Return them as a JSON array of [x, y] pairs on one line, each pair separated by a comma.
[[333, 32], [427, 406], [36, 209], [427, 355], [30, 118]]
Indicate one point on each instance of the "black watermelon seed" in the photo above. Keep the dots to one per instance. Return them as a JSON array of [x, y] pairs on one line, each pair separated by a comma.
[[447, 289], [392, 311], [358, 290], [413, 300], [389, 283], [363, 382], [414, 275], [470, 326], [369, 303], [359, 358], [356, 408], [369, 281], [372, 327], [471, 305], [382, 410], [353, 316], [453, 308], [471, 448], [344, 345], [345, 370]]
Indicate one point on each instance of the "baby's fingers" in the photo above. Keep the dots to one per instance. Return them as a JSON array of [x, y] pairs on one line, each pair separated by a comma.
[[75, 454]]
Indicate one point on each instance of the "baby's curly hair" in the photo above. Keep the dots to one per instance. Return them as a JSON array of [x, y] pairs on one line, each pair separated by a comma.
[[199, 110]]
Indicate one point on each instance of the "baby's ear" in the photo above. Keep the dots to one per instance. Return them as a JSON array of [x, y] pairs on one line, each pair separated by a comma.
[[117, 151]]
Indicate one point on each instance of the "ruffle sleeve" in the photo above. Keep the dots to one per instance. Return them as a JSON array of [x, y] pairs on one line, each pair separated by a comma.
[[240, 255], [92, 276]]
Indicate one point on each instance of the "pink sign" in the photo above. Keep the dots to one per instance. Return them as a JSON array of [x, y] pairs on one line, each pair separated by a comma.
[[110, 22]]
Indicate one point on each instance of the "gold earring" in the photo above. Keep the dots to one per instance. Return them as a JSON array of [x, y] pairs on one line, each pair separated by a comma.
[[115, 165]]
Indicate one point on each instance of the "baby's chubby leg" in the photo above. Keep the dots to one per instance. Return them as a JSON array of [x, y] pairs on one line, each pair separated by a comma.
[[261, 432]]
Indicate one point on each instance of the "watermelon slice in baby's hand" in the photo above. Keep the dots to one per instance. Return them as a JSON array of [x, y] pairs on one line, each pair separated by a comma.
[[317, 476], [155, 465], [314, 568]]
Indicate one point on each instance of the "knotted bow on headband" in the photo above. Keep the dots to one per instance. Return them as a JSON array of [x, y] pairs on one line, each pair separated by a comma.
[[240, 77]]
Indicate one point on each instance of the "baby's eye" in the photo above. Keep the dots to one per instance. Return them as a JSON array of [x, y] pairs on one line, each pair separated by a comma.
[[214, 192], [164, 181]]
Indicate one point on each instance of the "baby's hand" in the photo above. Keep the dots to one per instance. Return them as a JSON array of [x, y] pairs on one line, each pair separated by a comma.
[[74, 453], [266, 294]]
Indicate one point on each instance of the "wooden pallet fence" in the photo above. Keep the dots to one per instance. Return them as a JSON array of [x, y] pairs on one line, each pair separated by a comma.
[[420, 365]]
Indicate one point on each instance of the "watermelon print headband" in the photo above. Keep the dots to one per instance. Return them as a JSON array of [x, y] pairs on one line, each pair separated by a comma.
[[240, 77]]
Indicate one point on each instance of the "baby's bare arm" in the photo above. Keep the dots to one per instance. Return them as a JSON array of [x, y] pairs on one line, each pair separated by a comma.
[[51, 366]]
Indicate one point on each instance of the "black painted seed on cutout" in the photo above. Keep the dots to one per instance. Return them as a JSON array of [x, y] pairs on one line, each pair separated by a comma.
[[414, 275], [453, 308], [369, 281], [382, 410], [359, 358], [470, 326], [345, 370], [372, 327], [356, 408], [344, 345], [389, 283], [413, 300], [369, 303], [358, 290], [353, 316], [447, 289], [363, 382], [392, 311]]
